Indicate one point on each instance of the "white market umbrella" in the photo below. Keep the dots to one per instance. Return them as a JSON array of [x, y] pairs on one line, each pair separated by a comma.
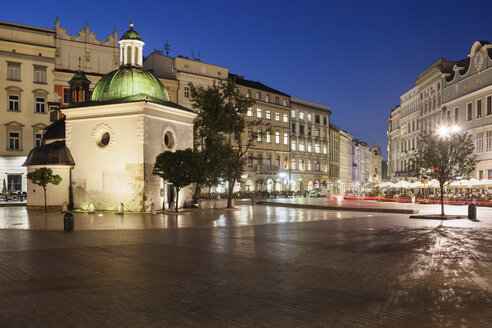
[[4, 189], [385, 184], [402, 184]]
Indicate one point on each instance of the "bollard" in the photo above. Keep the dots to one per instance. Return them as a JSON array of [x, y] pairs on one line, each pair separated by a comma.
[[472, 212], [121, 209], [68, 222], [92, 208], [64, 207], [152, 209]]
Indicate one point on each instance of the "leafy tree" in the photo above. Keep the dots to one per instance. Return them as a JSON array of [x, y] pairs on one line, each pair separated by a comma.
[[221, 131], [181, 168], [42, 177], [444, 158]]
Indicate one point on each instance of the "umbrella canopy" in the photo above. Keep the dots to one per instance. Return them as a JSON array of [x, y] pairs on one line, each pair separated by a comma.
[[4, 189], [384, 184], [402, 184]]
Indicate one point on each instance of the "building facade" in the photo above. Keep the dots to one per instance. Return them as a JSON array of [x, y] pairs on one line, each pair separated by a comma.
[[309, 145], [346, 179], [27, 64]]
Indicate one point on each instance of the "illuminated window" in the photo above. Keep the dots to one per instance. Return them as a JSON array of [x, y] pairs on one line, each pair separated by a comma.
[[258, 96], [248, 93], [293, 113], [284, 102], [301, 115], [301, 146], [268, 137], [293, 164], [277, 137], [286, 118], [286, 138], [293, 145], [267, 98], [268, 114], [250, 112], [259, 137], [277, 116], [309, 117], [258, 112]]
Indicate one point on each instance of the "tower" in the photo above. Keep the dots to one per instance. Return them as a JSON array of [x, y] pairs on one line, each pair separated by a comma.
[[131, 47]]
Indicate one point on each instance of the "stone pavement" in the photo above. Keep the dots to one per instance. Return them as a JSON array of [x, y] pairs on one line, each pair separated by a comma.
[[254, 267]]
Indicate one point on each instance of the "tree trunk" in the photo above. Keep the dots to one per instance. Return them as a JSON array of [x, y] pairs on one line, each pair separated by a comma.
[[229, 195], [177, 198], [196, 195], [45, 205], [441, 186]]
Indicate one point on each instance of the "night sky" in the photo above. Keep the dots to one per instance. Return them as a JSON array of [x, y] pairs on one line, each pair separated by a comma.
[[357, 57]]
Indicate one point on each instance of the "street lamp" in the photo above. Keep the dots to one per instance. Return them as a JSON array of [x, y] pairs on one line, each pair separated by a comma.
[[447, 131]]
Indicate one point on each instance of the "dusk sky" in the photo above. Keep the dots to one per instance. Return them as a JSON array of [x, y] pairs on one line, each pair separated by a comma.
[[357, 57]]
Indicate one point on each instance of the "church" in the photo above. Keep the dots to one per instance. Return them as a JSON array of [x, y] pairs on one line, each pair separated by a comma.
[[105, 147]]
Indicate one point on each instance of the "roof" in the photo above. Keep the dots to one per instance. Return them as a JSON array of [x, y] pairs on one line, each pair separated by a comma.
[[55, 130], [131, 34], [79, 76], [55, 153], [128, 82], [28, 27], [309, 104], [135, 98], [254, 85]]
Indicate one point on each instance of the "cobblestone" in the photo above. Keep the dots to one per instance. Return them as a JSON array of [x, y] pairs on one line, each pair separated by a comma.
[[310, 268]]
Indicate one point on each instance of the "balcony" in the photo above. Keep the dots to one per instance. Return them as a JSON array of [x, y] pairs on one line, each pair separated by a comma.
[[266, 168]]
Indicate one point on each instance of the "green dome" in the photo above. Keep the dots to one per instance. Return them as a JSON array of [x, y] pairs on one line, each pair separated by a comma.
[[129, 83], [131, 34]]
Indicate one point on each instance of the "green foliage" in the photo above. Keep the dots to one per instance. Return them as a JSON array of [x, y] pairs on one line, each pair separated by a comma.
[[181, 168], [42, 177], [221, 131], [443, 158]]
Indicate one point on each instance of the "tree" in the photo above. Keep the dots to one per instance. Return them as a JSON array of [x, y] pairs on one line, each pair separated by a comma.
[[222, 132], [42, 177], [444, 157], [181, 168]]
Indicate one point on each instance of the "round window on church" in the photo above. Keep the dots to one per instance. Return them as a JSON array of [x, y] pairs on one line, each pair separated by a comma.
[[169, 139], [104, 141]]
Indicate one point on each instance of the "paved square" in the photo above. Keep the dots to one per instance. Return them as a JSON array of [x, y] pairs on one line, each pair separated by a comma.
[[254, 267]]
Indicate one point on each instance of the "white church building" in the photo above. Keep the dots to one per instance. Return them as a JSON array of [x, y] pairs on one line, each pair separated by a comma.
[[111, 141]]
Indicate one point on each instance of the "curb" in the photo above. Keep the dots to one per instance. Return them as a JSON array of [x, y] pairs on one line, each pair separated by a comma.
[[340, 208]]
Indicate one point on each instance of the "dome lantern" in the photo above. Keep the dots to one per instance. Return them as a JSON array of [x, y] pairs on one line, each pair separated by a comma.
[[131, 48]]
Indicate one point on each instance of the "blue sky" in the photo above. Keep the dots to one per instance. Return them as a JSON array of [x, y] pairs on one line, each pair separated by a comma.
[[357, 57]]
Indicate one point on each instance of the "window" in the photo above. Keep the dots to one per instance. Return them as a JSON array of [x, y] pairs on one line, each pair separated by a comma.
[[284, 102], [248, 93], [293, 113], [40, 105], [277, 137], [13, 71], [260, 159], [479, 142], [309, 117], [310, 147], [489, 140], [258, 96], [316, 132], [309, 132], [469, 111], [187, 92], [277, 100], [301, 164], [14, 141], [293, 145], [258, 112], [301, 146], [259, 137], [268, 137], [325, 150], [324, 120], [317, 166], [301, 129], [489, 172], [479, 108], [301, 115], [316, 119], [66, 95], [267, 98], [293, 128], [250, 160], [309, 165], [489, 105], [269, 160], [480, 174], [286, 162], [286, 118], [456, 115], [250, 112], [293, 164], [316, 148], [286, 138], [250, 133], [13, 103], [268, 115], [14, 182], [277, 161], [38, 138], [277, 116], [39, 74]]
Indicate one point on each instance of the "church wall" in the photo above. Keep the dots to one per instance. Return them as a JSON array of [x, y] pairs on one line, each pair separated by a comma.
[[182, 137], [56, 195], [112, 174]]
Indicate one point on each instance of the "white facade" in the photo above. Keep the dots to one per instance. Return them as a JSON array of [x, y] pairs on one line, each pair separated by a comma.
[[121, 171]]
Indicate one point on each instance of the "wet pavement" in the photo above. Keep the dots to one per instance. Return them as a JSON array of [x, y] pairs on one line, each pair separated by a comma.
[[255, 266]]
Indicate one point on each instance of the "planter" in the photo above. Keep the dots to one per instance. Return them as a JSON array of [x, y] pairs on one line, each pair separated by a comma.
[[213, 203]]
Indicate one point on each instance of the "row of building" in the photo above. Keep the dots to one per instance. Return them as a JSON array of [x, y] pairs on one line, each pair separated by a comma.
[[446, 94], [297, 148]]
